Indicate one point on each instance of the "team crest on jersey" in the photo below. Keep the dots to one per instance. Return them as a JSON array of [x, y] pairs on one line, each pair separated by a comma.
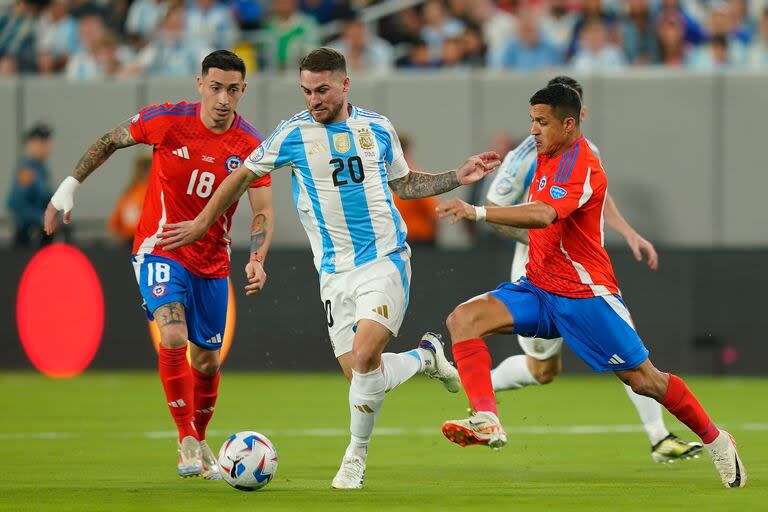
[[542, 182], [234, 162], [365, 138], [258, 154], [341, 142], [557, 192], [504, 186], [159, 290], [135, 119]]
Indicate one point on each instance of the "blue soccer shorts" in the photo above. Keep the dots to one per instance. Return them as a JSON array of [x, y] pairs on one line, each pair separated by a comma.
[[163, 280], [598, 329]]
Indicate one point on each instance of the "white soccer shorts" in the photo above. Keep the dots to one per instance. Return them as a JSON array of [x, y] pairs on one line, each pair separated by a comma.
[[376, 291]]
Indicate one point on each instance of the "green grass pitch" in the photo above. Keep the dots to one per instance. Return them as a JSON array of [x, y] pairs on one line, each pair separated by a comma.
[[104, 442]]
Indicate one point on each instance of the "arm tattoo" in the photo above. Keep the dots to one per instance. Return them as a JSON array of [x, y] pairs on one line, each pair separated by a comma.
[[168, 314], [102, 149], [420, 184], [511, 232], [259, 232]]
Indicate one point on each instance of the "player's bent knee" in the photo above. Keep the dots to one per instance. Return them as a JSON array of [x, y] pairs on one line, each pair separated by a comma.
[[366, 359], [545, 376], [545, 371], [641, 385], [173, 336], [460, 322], [207, 366]]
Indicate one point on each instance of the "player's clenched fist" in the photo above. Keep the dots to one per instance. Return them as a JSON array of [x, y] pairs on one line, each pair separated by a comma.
[[257, 278], [456, 209]]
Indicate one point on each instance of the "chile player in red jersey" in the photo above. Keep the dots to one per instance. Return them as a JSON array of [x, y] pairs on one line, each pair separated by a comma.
[[569, 290], [196, 146]]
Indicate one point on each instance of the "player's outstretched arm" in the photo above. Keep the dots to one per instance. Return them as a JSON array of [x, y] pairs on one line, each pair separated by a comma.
[[64, 197], [262, 228], [534, 215], [640, 246], [420, 184], [189, 231], [511, 232]]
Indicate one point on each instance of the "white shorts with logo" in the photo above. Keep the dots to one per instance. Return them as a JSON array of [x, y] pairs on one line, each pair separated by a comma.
[[537, 348], [376, 291]]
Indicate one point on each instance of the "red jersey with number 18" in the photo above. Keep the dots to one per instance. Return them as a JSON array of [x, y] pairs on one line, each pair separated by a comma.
[[189, 162], [567, 257]]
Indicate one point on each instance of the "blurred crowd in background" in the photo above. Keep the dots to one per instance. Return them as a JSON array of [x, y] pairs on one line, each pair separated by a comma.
[[98, 39]]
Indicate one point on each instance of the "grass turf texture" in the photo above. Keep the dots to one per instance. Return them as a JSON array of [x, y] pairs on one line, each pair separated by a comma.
[[104, 441]]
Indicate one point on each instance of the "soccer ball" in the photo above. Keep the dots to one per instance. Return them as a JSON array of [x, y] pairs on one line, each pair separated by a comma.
[[248, 461]]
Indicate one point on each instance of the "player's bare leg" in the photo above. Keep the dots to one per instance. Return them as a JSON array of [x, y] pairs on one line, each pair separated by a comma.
[[366, 396], [671, 392], [516, 372], [176, 376], [468, 324], [205, 371]]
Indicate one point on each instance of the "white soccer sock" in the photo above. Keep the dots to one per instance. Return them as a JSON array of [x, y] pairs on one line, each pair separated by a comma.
[[512, 373], [650, 414], [398, 368], [366, 396]]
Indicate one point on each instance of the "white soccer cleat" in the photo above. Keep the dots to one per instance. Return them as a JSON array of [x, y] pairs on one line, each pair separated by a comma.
[[440, 369], [190, 460], [480, 428], [351, 473], [210, 464], [727, 461]]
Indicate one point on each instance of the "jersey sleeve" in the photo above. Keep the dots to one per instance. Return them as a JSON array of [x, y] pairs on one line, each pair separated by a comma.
[[391, 150], [397, 167], [275, 152], [513, 175], [150, 124], [570, 188]]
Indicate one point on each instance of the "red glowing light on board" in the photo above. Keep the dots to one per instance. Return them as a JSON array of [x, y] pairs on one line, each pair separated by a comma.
[[60, 311]]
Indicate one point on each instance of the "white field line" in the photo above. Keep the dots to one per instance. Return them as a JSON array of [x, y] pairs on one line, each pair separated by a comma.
[[343, 432]]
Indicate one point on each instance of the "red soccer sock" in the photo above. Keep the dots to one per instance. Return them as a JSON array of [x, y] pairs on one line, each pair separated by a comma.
[[177, 381], [206, 392], [680, 401], [474, 364]]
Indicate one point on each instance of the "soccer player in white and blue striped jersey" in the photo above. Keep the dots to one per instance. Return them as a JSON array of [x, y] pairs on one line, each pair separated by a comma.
[[344, 161]]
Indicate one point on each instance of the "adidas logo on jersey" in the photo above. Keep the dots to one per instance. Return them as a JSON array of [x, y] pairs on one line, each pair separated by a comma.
[[615, 359], [381, 311], [182, 152]]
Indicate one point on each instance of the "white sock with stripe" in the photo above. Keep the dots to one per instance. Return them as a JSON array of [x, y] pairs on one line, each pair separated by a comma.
[[366, 396], [512, 373], [650, 414], [398, 368]]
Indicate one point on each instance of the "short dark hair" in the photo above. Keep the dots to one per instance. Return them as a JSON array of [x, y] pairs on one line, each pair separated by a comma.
[[570, 82], [224, 60], [564, 101], [323, 59]]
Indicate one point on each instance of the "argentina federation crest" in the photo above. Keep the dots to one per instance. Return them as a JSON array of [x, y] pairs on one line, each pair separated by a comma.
[[341, 142], [365, 138]]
